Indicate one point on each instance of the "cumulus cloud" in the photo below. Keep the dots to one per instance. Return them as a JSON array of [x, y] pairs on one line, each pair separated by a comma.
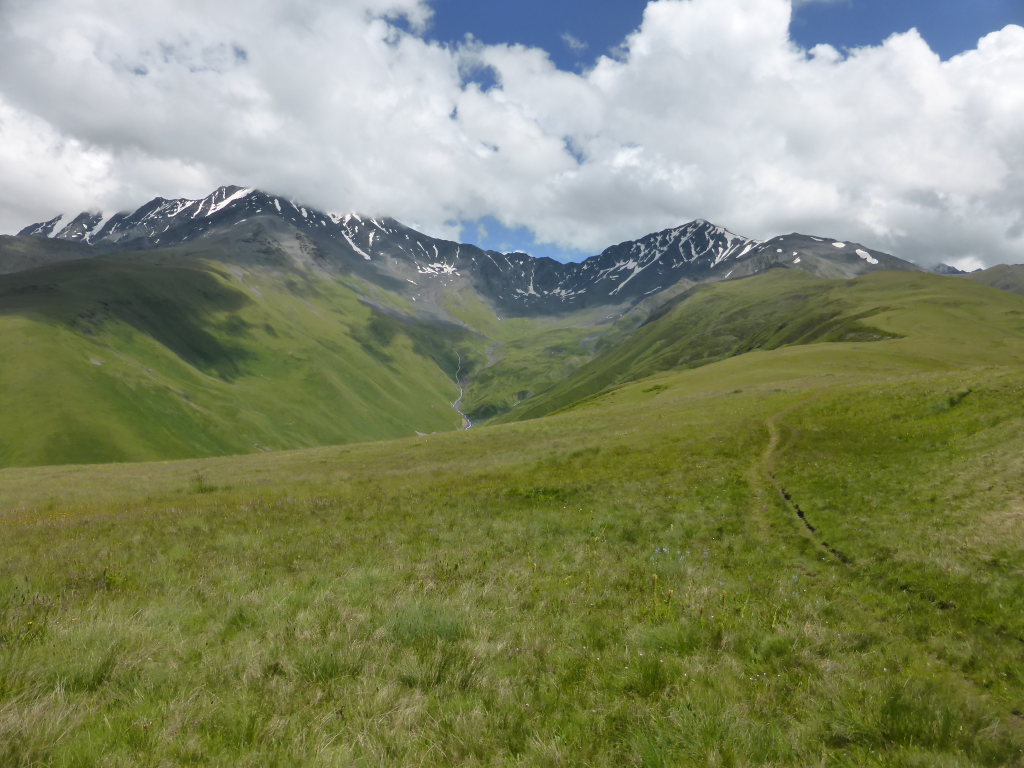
[[708, 110]]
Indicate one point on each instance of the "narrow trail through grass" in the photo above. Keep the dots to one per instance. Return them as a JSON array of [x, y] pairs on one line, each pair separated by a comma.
[[764, 470], [880, 585], [762, 474]]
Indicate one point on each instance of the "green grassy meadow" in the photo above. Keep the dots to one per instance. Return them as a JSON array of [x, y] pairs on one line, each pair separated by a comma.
[[802, 556]]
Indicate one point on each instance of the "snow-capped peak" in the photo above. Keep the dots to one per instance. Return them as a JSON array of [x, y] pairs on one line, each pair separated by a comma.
[[696, 251]]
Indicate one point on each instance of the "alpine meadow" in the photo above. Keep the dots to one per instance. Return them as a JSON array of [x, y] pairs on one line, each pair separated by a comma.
[[450, 435], [764, 521]]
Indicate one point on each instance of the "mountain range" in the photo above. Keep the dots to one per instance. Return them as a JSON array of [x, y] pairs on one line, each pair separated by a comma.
[[246, 321], [390, 253]]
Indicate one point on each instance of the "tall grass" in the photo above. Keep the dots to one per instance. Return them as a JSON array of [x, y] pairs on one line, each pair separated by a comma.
[[618, 585]]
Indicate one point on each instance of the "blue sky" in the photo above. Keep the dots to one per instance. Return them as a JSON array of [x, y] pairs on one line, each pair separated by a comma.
[[576, 32], [949, 26], [594, 28]]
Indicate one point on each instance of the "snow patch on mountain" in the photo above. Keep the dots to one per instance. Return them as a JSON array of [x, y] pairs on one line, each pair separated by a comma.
[[355, 247]]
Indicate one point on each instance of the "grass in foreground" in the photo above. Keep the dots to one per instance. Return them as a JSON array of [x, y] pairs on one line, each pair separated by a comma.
[[622, 584]]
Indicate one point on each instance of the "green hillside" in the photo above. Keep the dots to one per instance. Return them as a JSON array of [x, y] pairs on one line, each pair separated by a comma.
[[1006, 277], [173, 355], [127, 360], [917, 320], [20, 253], [234, 345], [802, 556]]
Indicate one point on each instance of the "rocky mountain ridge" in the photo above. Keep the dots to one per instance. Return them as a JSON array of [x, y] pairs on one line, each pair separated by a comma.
[[417, 264]]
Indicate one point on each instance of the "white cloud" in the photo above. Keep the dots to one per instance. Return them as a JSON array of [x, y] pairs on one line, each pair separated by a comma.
[[968, 264], [710, 111], [573, 43]]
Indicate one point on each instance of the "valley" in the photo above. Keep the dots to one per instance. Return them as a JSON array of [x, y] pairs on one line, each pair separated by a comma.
[[247, 322], [776, 520]]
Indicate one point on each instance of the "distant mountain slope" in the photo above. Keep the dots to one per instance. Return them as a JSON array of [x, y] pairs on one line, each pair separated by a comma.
[[823, 257], [386, 251], [21, 253], [1006, 277]]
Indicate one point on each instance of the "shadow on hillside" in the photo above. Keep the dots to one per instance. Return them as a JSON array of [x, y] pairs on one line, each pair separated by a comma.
[[176, 306]]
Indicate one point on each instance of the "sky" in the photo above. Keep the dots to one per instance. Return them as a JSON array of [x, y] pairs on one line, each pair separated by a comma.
[[556, 127]]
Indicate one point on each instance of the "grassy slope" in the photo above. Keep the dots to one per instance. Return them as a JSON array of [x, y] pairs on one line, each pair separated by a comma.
[[1006, 277], [789, 307], [119, 361], [620, 584], [169, 355]]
